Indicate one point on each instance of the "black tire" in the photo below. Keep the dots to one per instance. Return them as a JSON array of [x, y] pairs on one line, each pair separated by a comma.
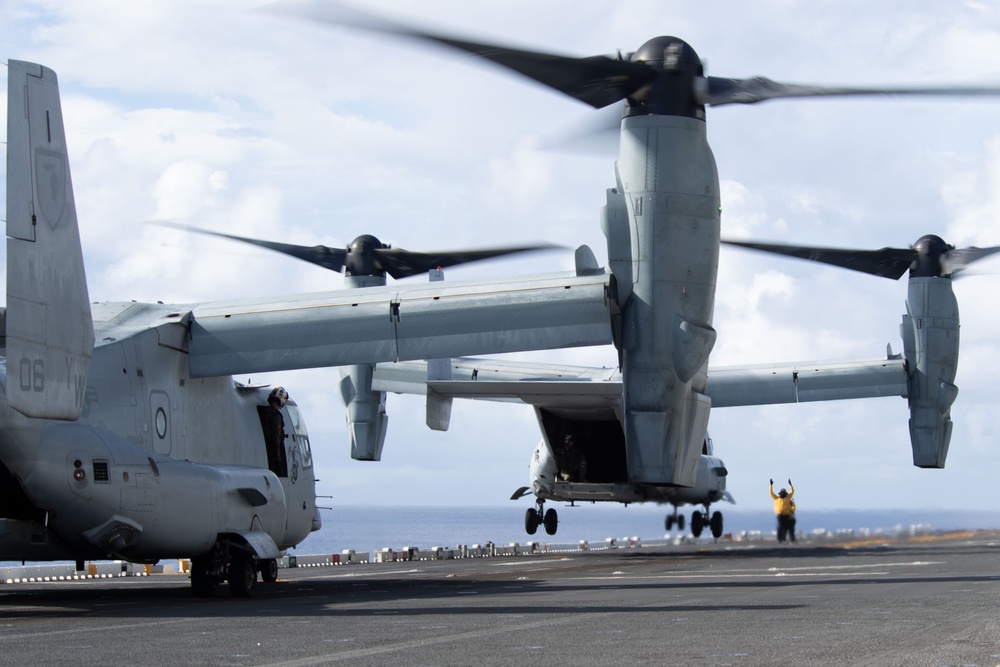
[[669, 522], [530, 521], [697, 523], [680, 522], [242, 575], [551, 521], [269, 570], [202, 583], [716, 525]]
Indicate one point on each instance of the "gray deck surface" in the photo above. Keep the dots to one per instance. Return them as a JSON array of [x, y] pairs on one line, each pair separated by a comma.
[[931, 600]]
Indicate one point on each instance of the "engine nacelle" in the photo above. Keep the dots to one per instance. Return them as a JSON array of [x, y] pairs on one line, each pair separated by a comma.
[[366, 417], [669, 252], [930, 344]]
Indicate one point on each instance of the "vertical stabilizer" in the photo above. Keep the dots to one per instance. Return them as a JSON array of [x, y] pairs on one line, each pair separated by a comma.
[[50, 333]]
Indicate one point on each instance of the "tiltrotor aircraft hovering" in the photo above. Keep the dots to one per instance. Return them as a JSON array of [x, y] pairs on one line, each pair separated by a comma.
[[563, 475], [662, 224]]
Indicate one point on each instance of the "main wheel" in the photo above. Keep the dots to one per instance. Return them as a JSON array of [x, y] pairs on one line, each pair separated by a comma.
[[242, 575], [530, 521], [551, 521], [697, 523], [680, 522], [269, 570], [669, 522], [202, 583], [716, 525]]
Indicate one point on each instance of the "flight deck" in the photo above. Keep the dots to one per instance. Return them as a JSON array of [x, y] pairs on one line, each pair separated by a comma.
[[878, 600]]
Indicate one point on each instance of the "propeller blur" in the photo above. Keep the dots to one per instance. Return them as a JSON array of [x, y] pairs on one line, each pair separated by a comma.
[[368, 256]]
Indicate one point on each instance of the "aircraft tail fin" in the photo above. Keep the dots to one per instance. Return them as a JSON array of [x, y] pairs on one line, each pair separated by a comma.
[[50, 331]]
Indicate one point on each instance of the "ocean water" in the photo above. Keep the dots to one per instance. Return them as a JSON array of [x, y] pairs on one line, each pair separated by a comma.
[[373, 528]]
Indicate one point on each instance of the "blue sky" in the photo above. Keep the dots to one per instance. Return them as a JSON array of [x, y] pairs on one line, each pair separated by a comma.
[[209, 113]]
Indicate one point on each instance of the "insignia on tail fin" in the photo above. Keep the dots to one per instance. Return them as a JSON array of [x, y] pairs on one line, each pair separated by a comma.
[[50, 332]]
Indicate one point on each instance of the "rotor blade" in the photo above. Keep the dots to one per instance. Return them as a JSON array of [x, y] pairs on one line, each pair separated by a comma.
[[757, 89], [400, 263], [958, 260], [888, 262], [596, 80], [321, 255], [597, 135]]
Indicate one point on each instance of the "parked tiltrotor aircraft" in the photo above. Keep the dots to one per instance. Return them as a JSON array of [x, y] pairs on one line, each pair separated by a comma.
[[122, 431]]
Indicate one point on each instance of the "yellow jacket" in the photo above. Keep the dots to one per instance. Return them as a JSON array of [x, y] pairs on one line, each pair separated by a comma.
[[784, 506]]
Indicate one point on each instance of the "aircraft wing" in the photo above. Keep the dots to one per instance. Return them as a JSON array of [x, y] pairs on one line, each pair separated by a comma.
[[544, 385], [400, 322], [589, 388], [806, 382]]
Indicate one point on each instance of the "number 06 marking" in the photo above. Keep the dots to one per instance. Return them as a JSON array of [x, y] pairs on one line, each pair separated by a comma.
[[32, 375]]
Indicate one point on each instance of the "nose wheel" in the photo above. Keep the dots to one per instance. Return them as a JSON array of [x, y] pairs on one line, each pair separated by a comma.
[[538, 515], [701, 520]]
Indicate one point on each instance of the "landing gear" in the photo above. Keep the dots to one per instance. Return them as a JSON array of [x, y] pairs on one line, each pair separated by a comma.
[[531, 520], [242, 575], [697, 523], [551, 521], [268, 570], [716, 524], [674, 518], [203, 580], [228, 562], [534, 516], [701, 519]]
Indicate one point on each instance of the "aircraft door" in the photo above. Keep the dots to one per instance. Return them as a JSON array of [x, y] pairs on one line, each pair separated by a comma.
[[277, 436]]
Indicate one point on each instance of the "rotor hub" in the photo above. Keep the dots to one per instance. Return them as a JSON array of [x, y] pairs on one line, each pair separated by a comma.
[[672, 91], [929, 249], [360, 259]]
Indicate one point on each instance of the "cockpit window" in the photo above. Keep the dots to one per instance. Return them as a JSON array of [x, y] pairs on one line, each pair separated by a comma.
[[301, 435], [307, 458], [298, 425]]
